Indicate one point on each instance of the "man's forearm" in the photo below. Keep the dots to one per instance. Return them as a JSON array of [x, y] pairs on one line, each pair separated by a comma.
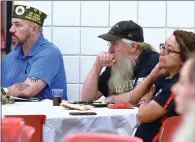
[[120, 98], [90, 86], [19, 89], [29, 88]]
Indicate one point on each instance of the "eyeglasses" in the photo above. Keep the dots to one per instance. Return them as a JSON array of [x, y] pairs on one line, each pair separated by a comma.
[[112, 45], [166, 50]]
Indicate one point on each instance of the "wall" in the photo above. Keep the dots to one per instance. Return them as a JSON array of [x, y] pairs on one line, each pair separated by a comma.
[[74, 26]]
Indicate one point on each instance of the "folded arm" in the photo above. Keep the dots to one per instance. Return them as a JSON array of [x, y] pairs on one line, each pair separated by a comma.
[[134, 96], [29, 88], [161, 105], [148, 112], [90, 87], [39, 76]]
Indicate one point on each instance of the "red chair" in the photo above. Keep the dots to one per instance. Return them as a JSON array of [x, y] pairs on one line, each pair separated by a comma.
[[11, 128], [27, 134], [100, 137], [14, 130], [35, 121], [169, 127]]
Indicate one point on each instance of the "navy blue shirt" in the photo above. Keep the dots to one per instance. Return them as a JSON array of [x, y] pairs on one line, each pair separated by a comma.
[[43, 61], [147, 61], [147, 131]]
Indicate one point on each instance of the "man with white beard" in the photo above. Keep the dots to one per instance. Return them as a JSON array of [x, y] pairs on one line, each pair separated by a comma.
[[128, 61], [121, 75]]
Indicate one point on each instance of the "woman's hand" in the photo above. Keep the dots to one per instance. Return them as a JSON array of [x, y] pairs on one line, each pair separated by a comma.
[[149, 95]]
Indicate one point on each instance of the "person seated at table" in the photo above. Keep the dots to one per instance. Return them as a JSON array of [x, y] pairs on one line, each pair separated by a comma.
[[185, 102], [128, 61], [36, 65], [156, 107]]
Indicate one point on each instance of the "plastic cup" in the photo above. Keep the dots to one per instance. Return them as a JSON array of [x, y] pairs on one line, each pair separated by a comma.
[[57, 96]]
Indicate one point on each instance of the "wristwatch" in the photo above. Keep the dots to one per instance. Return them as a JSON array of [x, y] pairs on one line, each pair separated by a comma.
[[4, 91], [5, 98]]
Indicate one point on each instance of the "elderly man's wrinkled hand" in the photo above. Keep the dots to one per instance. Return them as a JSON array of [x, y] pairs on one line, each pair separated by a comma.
[[106, 59], [110, 99]]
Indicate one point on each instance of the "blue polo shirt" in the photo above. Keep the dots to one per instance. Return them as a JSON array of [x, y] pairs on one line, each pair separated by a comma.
[[43, 61]]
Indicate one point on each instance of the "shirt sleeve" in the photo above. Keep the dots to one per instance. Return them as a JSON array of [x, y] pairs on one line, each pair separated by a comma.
[[103, 81], [46, 65], [162, 98]]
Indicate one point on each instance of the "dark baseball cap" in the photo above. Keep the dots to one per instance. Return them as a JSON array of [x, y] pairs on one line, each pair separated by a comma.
[[124, 29]]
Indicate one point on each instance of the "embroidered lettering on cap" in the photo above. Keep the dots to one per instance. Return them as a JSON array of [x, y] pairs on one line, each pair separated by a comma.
[[40, 12]]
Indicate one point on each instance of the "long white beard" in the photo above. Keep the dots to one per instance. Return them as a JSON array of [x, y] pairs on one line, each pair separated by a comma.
[[121, 75]]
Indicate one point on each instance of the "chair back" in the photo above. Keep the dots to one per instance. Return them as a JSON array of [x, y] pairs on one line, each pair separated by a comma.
[[169, 127], [27, 134], [100, 137], [35, 121]]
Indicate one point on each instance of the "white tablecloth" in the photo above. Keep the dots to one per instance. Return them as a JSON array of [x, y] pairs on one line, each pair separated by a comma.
[[59, 123]]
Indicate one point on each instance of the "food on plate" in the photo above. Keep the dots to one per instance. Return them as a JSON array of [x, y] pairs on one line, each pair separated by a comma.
[[81, 107]]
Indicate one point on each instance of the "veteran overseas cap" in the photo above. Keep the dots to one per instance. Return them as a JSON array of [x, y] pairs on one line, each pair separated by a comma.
[[30, 13], [124, 29]]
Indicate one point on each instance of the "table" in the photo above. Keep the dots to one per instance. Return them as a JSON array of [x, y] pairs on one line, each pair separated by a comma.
[[60, 124]]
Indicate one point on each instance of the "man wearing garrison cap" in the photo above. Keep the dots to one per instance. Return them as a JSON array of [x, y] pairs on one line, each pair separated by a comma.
[[36, 65]]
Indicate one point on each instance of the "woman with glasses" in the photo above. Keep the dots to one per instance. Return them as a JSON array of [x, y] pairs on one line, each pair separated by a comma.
[[155, 99], [184, 90]]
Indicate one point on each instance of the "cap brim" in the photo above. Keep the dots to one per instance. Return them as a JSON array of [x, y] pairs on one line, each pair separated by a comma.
[[109, 37]]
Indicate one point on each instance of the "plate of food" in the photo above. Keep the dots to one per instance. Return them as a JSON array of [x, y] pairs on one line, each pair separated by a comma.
[[81, 107]]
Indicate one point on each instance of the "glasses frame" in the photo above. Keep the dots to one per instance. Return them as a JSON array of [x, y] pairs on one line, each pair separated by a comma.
[[166, 50], [112, 45]]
